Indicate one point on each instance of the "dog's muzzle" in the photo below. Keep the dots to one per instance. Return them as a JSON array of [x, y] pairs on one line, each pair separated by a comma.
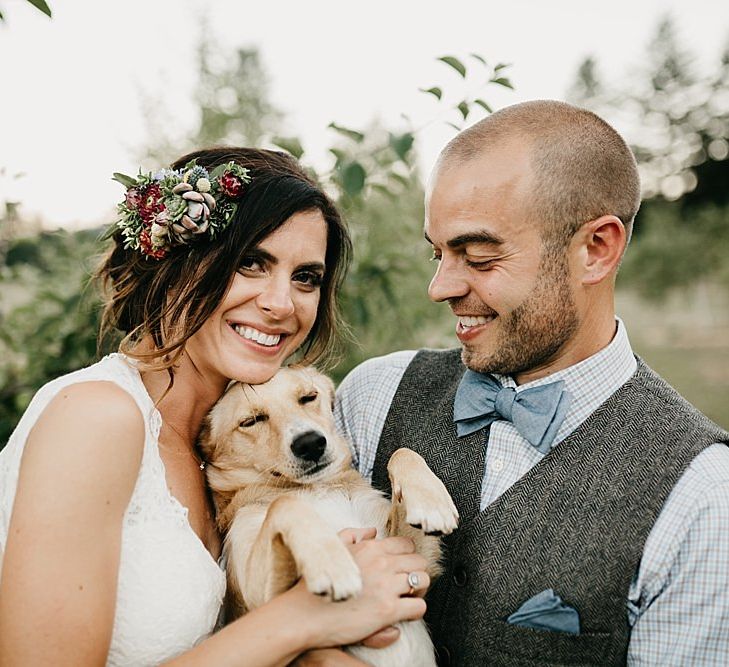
[[309, 446]]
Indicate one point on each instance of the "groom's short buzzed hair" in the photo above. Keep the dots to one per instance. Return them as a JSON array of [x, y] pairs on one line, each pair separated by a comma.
[[582, 168]]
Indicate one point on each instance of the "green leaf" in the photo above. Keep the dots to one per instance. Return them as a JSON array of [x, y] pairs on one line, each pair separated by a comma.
[[352, 177], [454, 126], [483, 105], [290, 145], [403, 180], [383, 189], [480, 59], [501, 66], [503, 82], [339, 154], [2, 18], [435, 91], [401, 144], [218, 171], [42, 5], [126, 181], [345, 131], [455, 64], [464, 109]]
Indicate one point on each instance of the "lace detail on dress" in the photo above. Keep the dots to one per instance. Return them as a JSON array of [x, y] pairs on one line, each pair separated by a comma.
[[151, 497], [170, 589]]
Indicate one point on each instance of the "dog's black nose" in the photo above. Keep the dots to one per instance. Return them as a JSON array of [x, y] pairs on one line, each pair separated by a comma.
[[309, 446]]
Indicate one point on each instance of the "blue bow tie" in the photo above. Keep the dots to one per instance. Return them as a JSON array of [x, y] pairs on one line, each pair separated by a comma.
[[536, 413]]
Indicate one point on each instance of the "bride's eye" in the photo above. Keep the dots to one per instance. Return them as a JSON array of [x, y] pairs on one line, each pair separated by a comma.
[[309, 279], [251, 263]]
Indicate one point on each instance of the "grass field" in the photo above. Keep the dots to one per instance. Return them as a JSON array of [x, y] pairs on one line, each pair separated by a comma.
[[686, 340]]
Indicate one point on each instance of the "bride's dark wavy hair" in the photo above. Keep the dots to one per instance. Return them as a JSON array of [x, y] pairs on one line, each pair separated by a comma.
[[170, 299]]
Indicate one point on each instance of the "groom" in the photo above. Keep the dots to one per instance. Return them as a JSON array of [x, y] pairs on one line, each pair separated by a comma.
[[594, 500]]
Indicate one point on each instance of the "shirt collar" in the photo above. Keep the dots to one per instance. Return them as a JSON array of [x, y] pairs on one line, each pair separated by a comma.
[[590, 382]]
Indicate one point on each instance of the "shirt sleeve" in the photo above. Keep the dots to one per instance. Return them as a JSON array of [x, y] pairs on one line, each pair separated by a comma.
[[679, 603], [363, 401]]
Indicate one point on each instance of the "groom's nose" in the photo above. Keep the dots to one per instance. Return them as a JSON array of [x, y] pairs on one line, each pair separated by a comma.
[[448, 282]]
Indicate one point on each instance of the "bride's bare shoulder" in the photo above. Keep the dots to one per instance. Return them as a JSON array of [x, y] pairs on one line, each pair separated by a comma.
[[93, 428]]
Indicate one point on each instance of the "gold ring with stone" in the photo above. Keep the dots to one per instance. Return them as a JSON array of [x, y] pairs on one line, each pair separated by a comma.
[[413, 582]]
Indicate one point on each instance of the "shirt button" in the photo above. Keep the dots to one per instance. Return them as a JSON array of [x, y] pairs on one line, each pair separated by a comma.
[[460, 576], [497, 464]]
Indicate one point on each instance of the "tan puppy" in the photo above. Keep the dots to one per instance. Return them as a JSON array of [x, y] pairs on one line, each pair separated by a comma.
[[283, 486]]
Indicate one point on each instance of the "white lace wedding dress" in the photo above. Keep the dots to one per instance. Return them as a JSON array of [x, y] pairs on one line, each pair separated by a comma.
[[170, 589]]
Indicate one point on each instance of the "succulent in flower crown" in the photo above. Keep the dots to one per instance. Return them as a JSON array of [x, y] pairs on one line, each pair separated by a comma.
[[178, 207]]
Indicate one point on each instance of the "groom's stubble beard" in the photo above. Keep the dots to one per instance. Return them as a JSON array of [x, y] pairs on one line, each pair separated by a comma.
[[532, 334]]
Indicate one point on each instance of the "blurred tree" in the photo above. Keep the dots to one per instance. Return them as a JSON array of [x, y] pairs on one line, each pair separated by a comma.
[[48, 319], [677, 122], [231, 96], [384, 299], [233, 99]]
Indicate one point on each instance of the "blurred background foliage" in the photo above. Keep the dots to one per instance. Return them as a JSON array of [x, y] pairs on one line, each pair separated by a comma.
[[673, 286]]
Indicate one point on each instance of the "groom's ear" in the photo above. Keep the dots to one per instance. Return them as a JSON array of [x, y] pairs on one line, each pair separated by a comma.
[[601, 243]]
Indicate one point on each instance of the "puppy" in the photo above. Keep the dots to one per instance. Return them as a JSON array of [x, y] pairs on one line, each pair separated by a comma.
[[283, 486]]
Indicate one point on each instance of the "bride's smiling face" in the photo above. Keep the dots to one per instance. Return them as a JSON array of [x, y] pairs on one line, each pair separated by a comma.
[[270, 307]]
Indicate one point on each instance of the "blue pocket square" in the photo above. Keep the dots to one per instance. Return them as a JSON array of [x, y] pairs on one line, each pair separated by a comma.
[[546, 611]]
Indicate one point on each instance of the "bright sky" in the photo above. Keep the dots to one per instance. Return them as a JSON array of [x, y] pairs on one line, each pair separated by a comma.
[[70, 106]]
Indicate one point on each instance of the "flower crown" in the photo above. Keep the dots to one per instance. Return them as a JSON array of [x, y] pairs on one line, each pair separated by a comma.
[[176, 207]]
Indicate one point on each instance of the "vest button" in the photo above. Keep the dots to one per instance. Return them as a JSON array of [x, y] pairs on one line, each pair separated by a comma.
[[442, 656], [460, 576]]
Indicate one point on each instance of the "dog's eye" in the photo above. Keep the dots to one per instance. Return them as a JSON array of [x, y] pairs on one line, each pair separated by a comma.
[[254, 419], [308, 398]]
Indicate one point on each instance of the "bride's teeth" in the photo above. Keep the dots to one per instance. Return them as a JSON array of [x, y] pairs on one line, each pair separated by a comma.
[[269, 340]]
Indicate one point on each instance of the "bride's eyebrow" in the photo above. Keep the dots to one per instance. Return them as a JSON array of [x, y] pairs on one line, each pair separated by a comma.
[[268, 258], [261, 254], [312, 266]]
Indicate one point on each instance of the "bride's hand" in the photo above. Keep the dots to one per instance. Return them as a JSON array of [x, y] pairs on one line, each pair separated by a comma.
[[384, 600]]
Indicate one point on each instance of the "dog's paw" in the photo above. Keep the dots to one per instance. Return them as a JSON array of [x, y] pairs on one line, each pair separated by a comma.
[[428, 506], [332, 572]]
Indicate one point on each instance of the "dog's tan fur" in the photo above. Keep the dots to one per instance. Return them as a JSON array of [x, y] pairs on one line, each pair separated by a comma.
[[281, 514]]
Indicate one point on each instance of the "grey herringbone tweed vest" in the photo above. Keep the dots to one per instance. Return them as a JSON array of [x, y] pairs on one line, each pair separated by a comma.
[[576, 522]]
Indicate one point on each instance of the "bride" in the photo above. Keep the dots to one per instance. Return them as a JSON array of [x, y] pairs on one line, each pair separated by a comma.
[[221, 268]]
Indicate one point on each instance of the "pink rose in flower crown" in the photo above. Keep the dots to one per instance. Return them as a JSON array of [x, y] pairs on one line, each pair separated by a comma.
[[151, 203], [133, 198], [230, 184]]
